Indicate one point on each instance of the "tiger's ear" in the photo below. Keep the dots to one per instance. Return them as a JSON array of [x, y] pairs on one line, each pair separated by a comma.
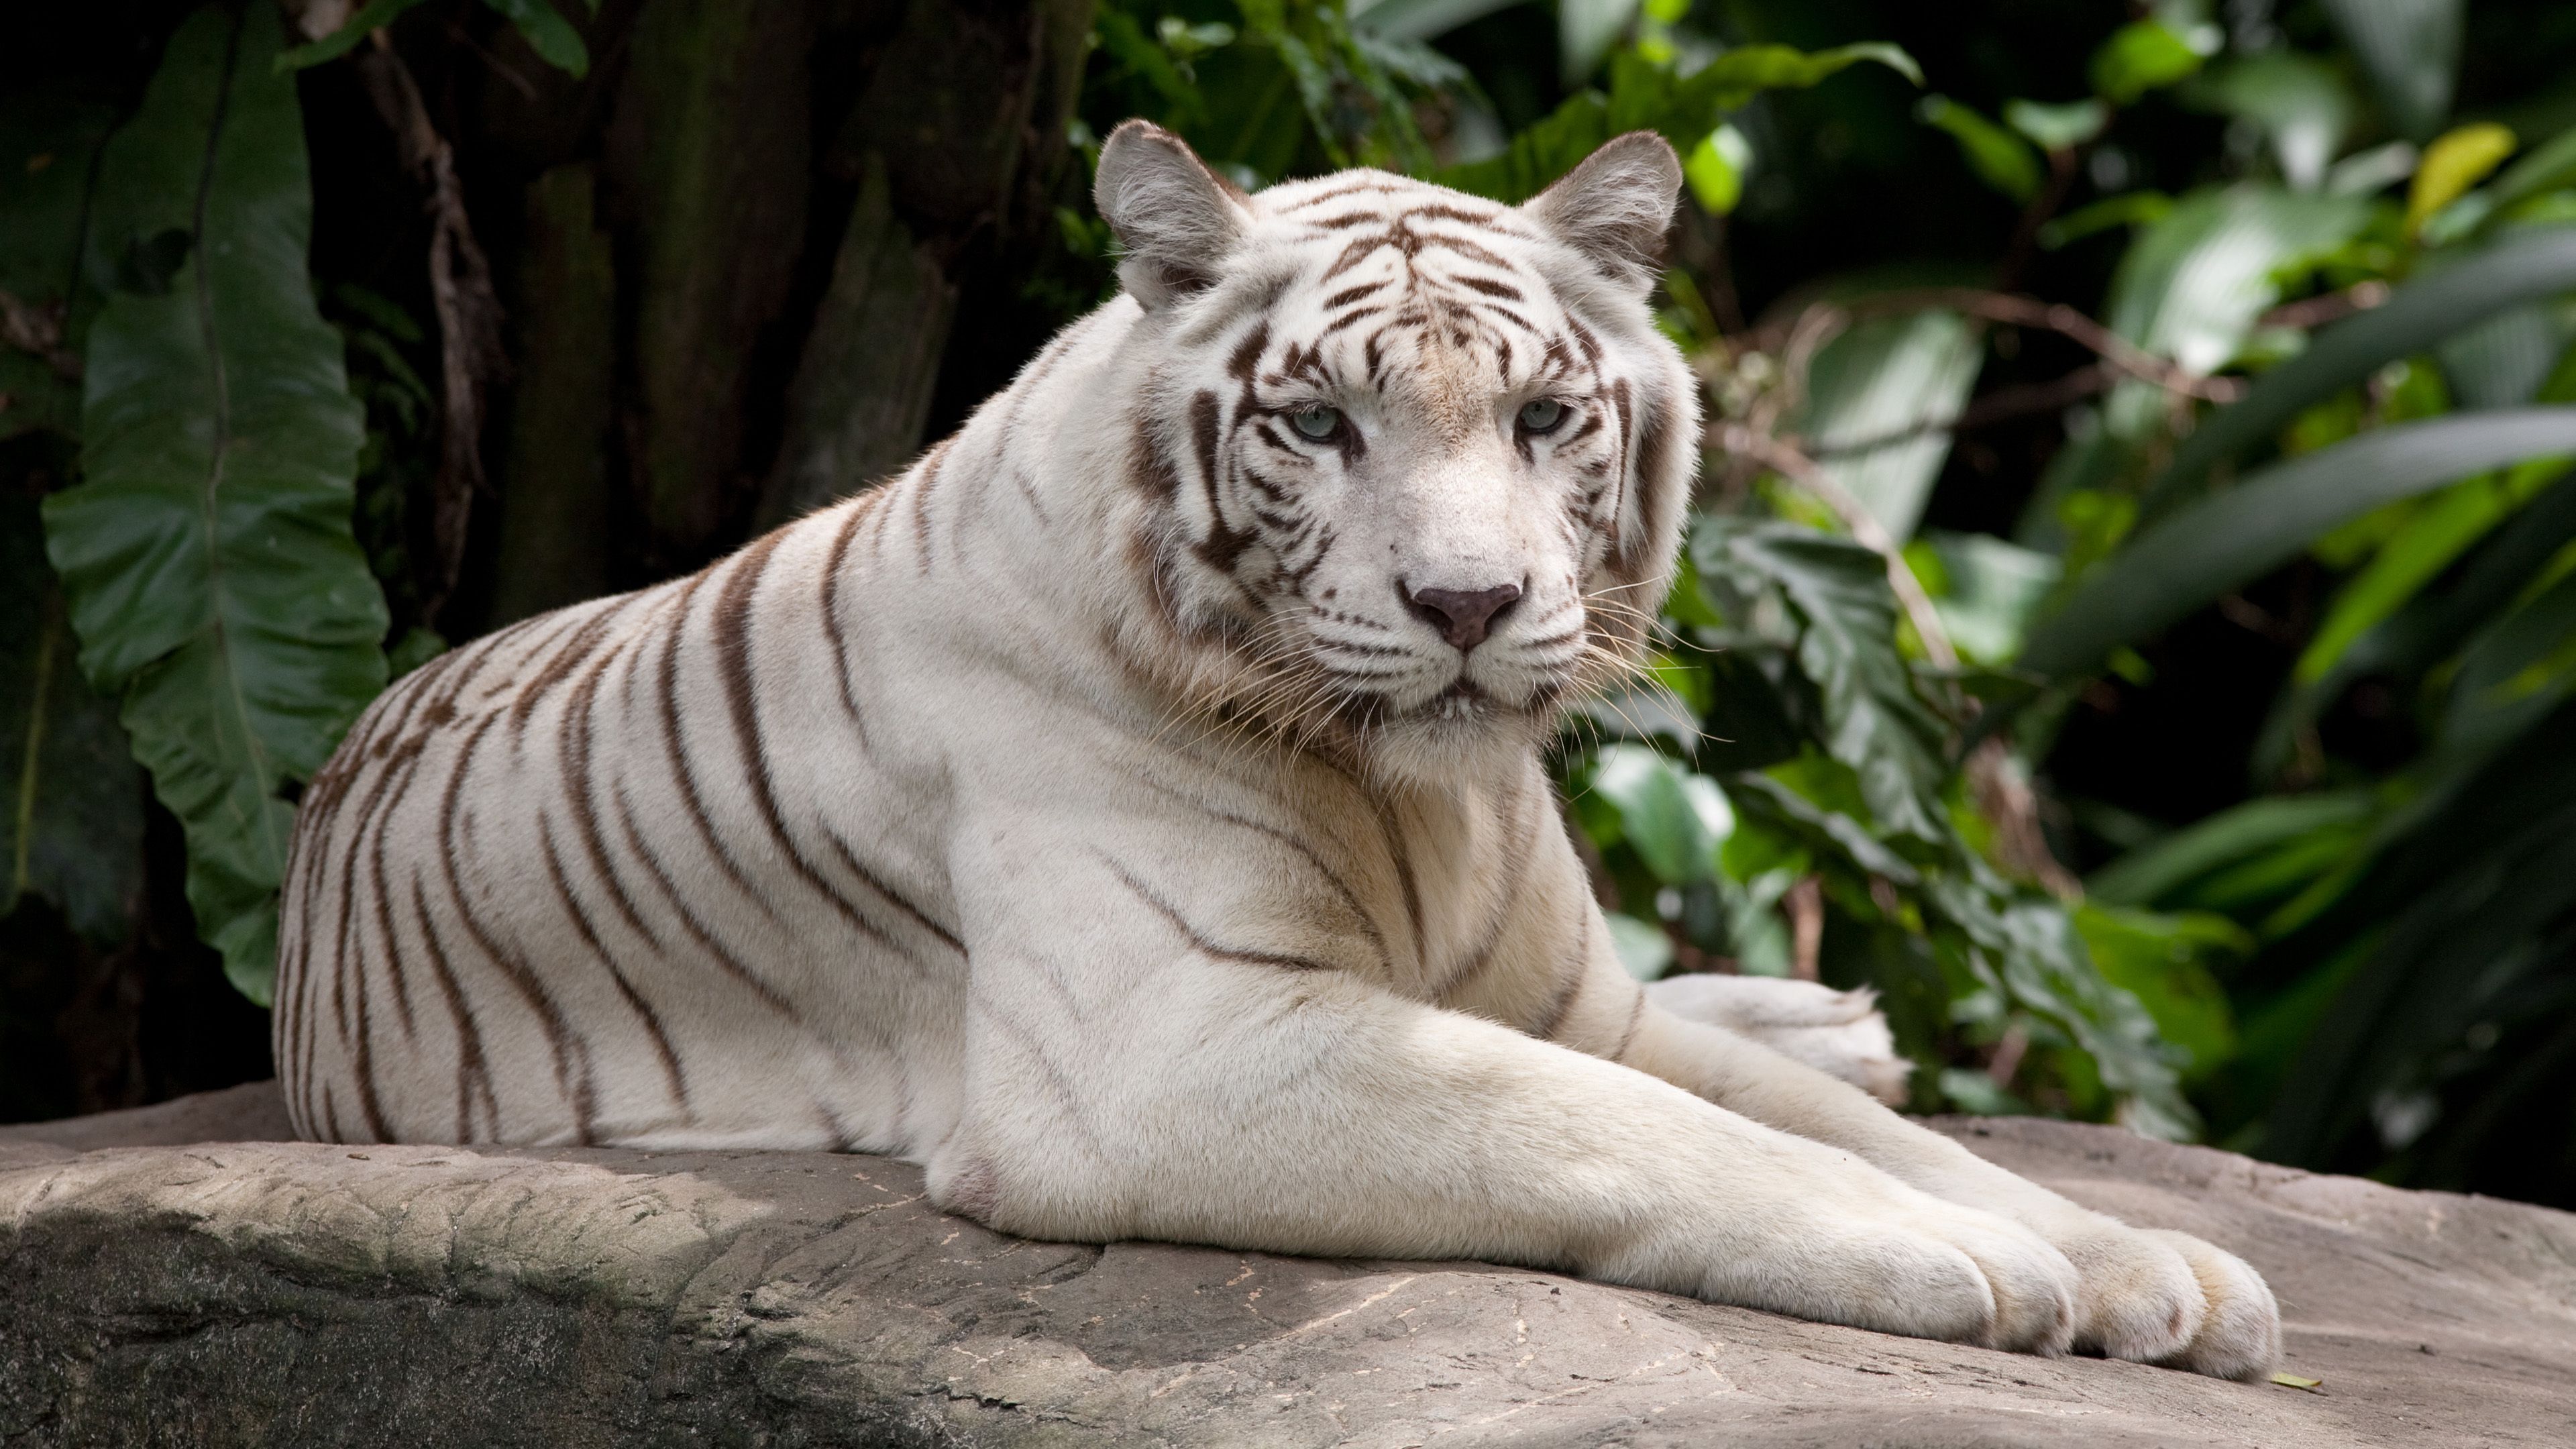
[[1175, 219], [1616, 206]]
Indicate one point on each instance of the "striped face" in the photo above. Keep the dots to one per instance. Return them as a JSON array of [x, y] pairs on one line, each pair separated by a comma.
[[1419, 458]]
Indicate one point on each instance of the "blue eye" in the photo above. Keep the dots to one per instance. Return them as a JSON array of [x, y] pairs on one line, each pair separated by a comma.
[[1316, 424], [1542, 416]]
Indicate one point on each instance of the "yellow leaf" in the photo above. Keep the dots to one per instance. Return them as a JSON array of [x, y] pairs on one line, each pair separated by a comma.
[[2457, 160], [2293, 1381]]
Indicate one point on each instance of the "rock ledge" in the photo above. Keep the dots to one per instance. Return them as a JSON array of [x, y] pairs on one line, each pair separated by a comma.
[[165, 1288]]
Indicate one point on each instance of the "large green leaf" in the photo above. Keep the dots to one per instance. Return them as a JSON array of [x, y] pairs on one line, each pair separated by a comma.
[[2233, 538], [2410, 49], [2195, 281], [71, 820], [2301, 103], [207, 558], [1675, 819], [2426, 628], [2535, 264], [2159, 874], [1844, 613], [1880, 401]]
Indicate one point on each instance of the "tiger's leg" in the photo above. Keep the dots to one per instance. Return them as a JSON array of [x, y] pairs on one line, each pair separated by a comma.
[[1141, 1063], [2161, 1297]]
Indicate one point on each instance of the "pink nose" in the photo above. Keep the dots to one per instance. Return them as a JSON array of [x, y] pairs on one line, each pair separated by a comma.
[[1461, 617]]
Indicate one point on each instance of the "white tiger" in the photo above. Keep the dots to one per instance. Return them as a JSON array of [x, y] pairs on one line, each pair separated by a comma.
[[1135, 814]]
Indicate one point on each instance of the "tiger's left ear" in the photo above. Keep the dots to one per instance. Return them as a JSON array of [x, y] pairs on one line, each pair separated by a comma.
[[1175, 219], [1616, 207]]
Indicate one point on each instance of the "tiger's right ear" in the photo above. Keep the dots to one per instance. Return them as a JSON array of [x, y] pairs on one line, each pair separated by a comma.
[[1176, 220]]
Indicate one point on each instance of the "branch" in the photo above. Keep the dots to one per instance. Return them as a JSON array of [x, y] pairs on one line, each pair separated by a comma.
[[2001, 405], [2019, 311]]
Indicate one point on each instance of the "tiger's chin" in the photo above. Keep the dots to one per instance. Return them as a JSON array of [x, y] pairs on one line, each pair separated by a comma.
[[1457, 737]]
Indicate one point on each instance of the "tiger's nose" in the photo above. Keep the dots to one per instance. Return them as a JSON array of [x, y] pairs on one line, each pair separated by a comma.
[[1461, 617]]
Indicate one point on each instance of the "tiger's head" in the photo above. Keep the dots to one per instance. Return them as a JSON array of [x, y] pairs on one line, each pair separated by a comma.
[[1412, 464]]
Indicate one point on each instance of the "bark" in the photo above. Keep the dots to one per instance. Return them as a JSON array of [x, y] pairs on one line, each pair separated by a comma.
[[707, 165], [556, 500]]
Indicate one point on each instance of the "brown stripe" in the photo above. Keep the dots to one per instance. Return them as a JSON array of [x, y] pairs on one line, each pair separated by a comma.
[[729, 625], [1247, 353], [1573, 987], [578, 1089], [689, 921], [675, 747], [1341, 887], [572, 748], [1202, 944], [831, 609], [473, 1071], [851, 862], [1636, 1016], [635, 1001]]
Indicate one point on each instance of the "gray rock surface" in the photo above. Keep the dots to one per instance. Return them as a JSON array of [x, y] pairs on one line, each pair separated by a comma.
[[166, 1287]]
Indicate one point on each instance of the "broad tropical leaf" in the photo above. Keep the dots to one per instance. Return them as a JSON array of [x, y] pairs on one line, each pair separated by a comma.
[[71, 821], [2233, 538], [2537, 264], [207, 558]]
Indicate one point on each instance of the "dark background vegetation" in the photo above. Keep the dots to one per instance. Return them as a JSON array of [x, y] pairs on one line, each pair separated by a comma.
[[616, 286]]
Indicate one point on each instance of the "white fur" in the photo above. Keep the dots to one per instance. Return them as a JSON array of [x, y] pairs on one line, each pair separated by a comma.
[[1069, 816]]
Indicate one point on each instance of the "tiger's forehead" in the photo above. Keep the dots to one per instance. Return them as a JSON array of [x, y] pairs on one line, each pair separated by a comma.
[[1412, 290]]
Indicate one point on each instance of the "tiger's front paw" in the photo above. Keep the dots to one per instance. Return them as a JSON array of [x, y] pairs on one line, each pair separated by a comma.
[[2169, 1298]]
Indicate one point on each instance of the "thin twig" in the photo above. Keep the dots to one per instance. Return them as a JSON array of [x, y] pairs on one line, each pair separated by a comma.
[[2002, 405], [471, 355], [2331, 307], [2015, 310]]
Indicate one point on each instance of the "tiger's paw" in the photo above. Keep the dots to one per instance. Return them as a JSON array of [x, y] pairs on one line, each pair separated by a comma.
[[2171, 1299], [1839, 1033]]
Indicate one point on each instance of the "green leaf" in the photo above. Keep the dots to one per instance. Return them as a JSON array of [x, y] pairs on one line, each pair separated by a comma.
[[1642, 946], [2061, 127], [2301, 103], [2193, 284], [2158, 874], [1675, 819], [2133, 208], [2432, 538], [207, 558], [2164, 961], [2147, 55], [1989, 591], [2231, 539], [71, 822], [1715, 169], [547, 33], [2410, 49], [2456, 160], [1420, 19], [2546, 167], [1844, 613], [1586, 30], [1999, 158], [1880, 401], [2429, 627], [2515, 270]]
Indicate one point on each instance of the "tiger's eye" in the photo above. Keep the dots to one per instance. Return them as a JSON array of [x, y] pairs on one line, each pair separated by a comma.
[[1542, 416], [1316, 424]]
